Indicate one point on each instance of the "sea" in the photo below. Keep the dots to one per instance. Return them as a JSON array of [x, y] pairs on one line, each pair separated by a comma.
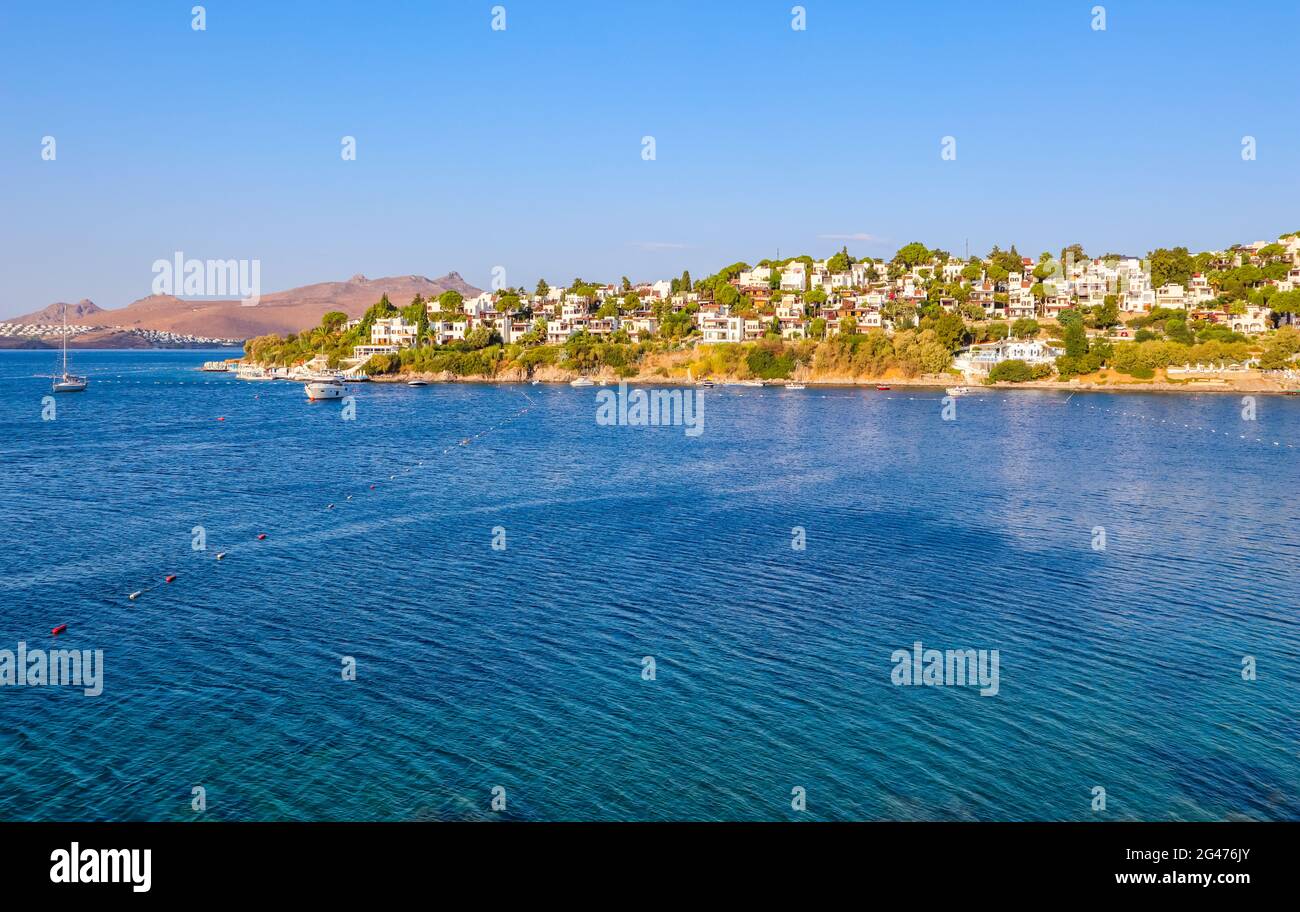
[[478, 602]]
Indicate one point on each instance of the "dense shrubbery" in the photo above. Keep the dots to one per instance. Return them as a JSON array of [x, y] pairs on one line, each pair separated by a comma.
[[873, 353], [1151, 354], [1017, 371], [770, 362]]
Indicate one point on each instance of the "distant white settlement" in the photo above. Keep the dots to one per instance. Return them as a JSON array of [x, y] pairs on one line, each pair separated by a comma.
[[52, 332]]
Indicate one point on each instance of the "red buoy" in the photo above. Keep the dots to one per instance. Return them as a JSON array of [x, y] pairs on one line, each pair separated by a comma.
[[261, 536], [58, 630], [168, 579], [222, 418]]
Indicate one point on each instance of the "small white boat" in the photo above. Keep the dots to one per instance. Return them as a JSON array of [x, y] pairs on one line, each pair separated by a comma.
[[67, 382], [582, 381], [417, 382], [217, 367], [705, 384], [535, 382], [958, 390], [324, 388], [795, 386]]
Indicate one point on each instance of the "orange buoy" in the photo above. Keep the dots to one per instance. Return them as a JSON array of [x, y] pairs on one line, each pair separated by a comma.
[[261, 536], [58, 630], [169, 578]]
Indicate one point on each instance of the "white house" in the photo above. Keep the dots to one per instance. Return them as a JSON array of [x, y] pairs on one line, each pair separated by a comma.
[[1254, 320], [1171, 295], [394, 331], [444, 331], [980, 359], [720, 328], [793, 277]]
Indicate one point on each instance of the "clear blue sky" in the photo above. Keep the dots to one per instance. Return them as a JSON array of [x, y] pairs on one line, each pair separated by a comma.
[[522, 148]]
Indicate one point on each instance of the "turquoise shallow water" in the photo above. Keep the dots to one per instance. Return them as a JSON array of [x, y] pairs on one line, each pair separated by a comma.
[[522, 668]]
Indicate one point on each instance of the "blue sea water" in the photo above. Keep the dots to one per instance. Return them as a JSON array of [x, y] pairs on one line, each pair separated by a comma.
[[522, 668]]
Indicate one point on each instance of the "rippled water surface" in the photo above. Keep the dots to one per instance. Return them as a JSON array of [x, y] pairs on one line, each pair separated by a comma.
[[522, 667]]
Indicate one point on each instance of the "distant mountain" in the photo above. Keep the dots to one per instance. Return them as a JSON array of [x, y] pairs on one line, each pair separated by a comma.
[[83, 309], [278, 312]]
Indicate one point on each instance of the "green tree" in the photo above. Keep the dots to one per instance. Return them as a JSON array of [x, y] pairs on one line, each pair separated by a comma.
[[1015, 370], [333, 320], [1171, 266], [912, 255], [451, 301], [1025, 328], [1074, 251], [840, 262]]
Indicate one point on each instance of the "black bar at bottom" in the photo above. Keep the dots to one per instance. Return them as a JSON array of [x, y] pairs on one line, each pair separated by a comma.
[[330, 860]]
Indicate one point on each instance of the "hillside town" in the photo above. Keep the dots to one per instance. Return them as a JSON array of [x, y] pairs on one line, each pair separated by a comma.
[[1060, 313]]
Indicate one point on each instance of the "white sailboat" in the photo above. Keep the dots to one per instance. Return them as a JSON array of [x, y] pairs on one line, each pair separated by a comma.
[[66, 382]]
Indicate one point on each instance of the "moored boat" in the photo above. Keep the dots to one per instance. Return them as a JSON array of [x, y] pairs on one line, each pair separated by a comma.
[[957, 390], [582, 381], [795, 386], [324, 388]]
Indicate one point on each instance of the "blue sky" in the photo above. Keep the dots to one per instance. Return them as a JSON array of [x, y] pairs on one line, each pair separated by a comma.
[[522, 148]]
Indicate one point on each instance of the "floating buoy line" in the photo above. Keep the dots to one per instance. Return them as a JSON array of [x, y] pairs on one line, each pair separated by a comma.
[[1121, 412], [171, 578]]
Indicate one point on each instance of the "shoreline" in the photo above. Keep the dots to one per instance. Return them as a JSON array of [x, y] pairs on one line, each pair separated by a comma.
[[1253, 385]]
